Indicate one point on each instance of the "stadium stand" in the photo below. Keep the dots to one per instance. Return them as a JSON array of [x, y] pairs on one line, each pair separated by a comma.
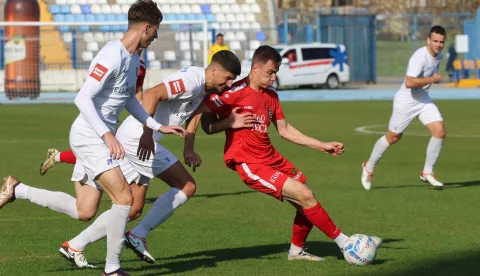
[[239, 20]]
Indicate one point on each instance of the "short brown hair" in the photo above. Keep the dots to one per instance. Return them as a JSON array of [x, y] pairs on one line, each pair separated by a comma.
[[144, 11], [265, 53], [437, 30]]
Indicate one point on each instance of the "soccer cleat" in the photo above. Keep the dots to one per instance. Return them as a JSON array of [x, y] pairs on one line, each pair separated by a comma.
[[429, 178], [76, 257], [7, 193], [139, 246], [377, 240], [49, 162], [118, 272], [305, 256], [366, 177]]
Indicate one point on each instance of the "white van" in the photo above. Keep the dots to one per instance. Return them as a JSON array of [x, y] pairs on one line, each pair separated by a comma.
[[313, 64]]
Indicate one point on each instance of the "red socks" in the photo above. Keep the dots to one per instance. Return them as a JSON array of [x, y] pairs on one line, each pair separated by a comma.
[[68, 157], [319, 217], [301, 229]]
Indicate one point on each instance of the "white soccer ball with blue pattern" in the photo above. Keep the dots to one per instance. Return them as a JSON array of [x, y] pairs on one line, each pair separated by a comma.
[[359, 250]]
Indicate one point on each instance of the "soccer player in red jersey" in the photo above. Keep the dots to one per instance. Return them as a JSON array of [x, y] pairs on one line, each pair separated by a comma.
[[54, 156], [250, 152]]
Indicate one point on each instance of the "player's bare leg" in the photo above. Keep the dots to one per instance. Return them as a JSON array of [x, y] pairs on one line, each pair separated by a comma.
[[114, 184], [437, 129], [183, 187], [74, 248], [379, 149], [302, 198]]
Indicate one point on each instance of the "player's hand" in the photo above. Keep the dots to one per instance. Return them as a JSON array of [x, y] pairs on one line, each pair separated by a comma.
[[192, 159], [437, 78], [146, 147], [177, 130], [333, 148], [241, 120], [116, 150]]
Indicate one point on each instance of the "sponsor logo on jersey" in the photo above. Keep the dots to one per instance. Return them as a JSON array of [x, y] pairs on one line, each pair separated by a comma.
[[270, 113], [98, 72], [216, 100], [274, 177], [177, 87], [248, 107]]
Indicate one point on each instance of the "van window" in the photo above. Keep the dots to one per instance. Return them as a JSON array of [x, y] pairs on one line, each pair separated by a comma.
[[316, 53], [291, 55]]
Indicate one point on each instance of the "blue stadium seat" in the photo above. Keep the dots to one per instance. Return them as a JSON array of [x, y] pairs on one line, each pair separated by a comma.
[[54, 9], [190, 16], [63, 28], [59, 18], [169, 17], [174, 26], [205, 8], [89, 17], [69, 18], [65, 9], [211, 18], [79, 17], [260, 36], [181, 17], [86, 9], [100, 17], [83, 28], [111, 17], [123, 28], [200, 16], [121, 17], [105, 28]]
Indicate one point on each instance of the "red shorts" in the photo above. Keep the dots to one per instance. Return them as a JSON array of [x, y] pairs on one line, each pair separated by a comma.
[[269, 179]]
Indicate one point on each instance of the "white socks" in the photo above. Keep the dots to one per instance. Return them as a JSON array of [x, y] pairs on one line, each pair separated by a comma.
[[116, 224], [341, 240], [57, 157], [161, 210], [57, 201], [96, 231], [380, 147], [294, 250], [433, 152]]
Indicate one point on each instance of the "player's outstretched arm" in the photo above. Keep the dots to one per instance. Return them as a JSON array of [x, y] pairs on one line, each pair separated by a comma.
[[189, 154], [211, 124], [293, 135]]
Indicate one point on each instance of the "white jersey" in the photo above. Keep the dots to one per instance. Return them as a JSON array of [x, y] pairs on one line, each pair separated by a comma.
[[186, 90], [110, 83], [420, 65]]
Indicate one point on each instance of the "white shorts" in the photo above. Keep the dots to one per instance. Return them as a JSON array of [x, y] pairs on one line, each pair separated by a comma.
[[403, 115], [93, 155], [148, 169]]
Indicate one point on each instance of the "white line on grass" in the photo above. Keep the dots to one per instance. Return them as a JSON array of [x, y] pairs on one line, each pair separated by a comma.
[[368, 130]]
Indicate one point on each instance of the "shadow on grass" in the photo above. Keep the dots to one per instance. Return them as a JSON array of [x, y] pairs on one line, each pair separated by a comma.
[[210, 258], [152, 199], [449, 185]]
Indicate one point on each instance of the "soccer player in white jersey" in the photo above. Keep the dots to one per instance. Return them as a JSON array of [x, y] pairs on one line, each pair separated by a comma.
[[412, 101], [171, 102], [108, 89]]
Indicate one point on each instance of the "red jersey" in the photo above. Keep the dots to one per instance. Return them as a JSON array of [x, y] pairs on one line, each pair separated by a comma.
[[141, 74], [248, 145]]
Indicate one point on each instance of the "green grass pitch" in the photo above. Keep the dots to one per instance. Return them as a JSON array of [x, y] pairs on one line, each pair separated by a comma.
[[228, 229]]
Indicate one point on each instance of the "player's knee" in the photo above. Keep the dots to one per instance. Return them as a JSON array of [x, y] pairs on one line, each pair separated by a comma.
[[307, 198], [440, 134], [392, 139], [86, 214], [124, 197]]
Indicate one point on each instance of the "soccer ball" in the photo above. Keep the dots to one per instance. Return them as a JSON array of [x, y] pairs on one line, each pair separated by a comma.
[[359, 250]]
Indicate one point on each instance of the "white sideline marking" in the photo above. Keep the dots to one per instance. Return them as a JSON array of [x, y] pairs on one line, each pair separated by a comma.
[[367, 130]]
